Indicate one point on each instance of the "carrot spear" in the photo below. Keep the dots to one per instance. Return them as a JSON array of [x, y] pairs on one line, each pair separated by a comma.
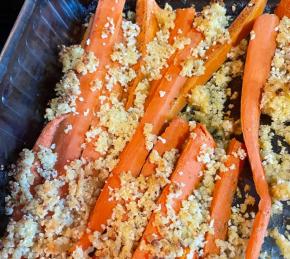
[[258, 62], [223, 195]]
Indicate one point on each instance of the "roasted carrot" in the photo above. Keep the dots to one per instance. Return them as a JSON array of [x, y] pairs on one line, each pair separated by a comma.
[[190, 177], [283, 9], [258, 62], [44, 140], [146, 19], [134, 154], [183, 24], [223, 195], [217, 55], [89, 153], [68, 146], [174, 136]]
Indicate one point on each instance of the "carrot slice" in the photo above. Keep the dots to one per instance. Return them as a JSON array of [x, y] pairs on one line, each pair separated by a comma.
[[223, 195], [258, 63], [217, 55], [134, 154], [283, 9], [68, 146], [146, 19], [183, 24], [174, 136], [190, 177]]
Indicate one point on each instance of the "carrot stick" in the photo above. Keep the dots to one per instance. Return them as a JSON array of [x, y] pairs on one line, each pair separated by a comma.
[[68, 146], [190, 177], [183, 24], [134, 154], [258, 62], [223, 195], [145, 18], [174, 136], [283, 9], [89, 153], [217, 55]]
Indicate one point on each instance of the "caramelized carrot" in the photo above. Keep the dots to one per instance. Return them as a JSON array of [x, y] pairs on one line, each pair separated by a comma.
[[134, 154], [68, 146], [223, 195], [258, 62], [283, 9], [44, 140], [217, 55], [90, 153], [183, 24], [174, 136], [146, 19], [190, 177]]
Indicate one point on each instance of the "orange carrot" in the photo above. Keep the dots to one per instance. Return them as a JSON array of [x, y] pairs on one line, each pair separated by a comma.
[[68, 146], [258, 62], [174, 136], [283, 9], [183, 24], [44, 140], [223, 195], [146, 19], [90, 153], [187, 173], [217, 55], [134, 154]]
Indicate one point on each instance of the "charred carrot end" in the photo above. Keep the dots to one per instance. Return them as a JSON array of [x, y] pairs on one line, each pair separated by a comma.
[[186, 174], [283, 9], [183, 23], [223, 194], [258, 62], [174, 136], [217, 55]]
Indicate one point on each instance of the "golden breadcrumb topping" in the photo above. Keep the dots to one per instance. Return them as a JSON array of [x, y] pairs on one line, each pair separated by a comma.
[[208, 101], [136, 201], [212, 23]]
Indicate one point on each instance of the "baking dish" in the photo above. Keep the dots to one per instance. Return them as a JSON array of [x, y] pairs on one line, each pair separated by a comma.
[[29, 68]]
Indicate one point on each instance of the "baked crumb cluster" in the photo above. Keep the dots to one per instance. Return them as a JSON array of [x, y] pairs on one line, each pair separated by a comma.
[[276, 152], [46, 224], [207, 103], [136, 201], [212, 23]]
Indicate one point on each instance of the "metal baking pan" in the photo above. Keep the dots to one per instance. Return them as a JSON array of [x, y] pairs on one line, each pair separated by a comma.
[[29, 69]]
